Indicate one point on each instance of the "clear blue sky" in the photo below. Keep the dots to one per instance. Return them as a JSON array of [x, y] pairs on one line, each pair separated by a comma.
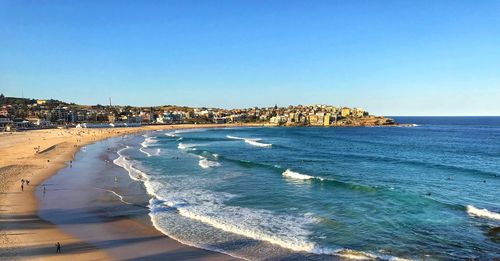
[[421, 57]]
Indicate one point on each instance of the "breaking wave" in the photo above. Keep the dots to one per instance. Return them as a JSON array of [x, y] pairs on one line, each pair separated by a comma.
[[145, 152], [296, 175], [253, 142], [123, 162], [184, 146], [156, 152], [171, 134], [287, 231], [205, 163], [148, 141], [484, 213]]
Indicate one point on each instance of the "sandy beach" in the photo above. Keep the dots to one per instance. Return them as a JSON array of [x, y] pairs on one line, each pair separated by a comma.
[[35, 156]]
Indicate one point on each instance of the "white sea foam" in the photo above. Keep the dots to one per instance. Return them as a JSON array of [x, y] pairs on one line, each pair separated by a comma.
[[295, 175], [171, 134], [156, 152], [123, 162], [148, 142], [176, 132], [205, 163], [208, 207], [258, 144], [473, 211], [286, 231], [185, 146], [254, 142], [234, 138], [145, 152], [116, 194], [157, 206]]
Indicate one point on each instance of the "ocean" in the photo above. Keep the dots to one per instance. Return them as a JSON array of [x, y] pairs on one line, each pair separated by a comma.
[[425, 192]]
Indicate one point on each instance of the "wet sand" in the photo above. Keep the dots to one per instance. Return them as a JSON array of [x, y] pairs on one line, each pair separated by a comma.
[[37, 155]]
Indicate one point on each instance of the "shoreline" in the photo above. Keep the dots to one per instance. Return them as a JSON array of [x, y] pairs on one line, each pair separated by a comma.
[[23, 234], [112, 214]]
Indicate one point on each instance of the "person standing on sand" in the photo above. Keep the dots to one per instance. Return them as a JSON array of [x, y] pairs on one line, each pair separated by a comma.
[[22, 186], [58, 248]]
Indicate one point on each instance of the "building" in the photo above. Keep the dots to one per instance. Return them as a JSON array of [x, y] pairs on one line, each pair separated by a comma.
[[358, 112], [5, 123], [321, 117], [59, 114], [326, 119], [278, 120], [41, 122], [111, 118], [313, 119], [165, 118], [344, 112], [4, 113]]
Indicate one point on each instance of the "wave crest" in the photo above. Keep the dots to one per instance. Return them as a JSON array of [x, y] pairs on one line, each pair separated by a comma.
[[122, 161], [148, 142], [206, 164], [253, 142], [296, 175], [473, 211]]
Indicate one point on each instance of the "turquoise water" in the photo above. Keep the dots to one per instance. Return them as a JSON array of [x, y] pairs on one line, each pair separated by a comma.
[[424, 192]]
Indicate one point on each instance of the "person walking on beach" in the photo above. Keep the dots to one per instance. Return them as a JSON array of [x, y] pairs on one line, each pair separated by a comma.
[[58, 248], [44, 189]]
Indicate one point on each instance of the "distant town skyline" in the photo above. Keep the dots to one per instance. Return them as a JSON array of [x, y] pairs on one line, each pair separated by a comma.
[[388, 57]]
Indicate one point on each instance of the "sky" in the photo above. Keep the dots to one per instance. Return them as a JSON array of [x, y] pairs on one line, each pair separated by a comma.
[[421, 57]]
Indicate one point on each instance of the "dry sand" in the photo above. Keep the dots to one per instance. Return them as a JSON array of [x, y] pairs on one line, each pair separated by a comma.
[[23, 235]]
